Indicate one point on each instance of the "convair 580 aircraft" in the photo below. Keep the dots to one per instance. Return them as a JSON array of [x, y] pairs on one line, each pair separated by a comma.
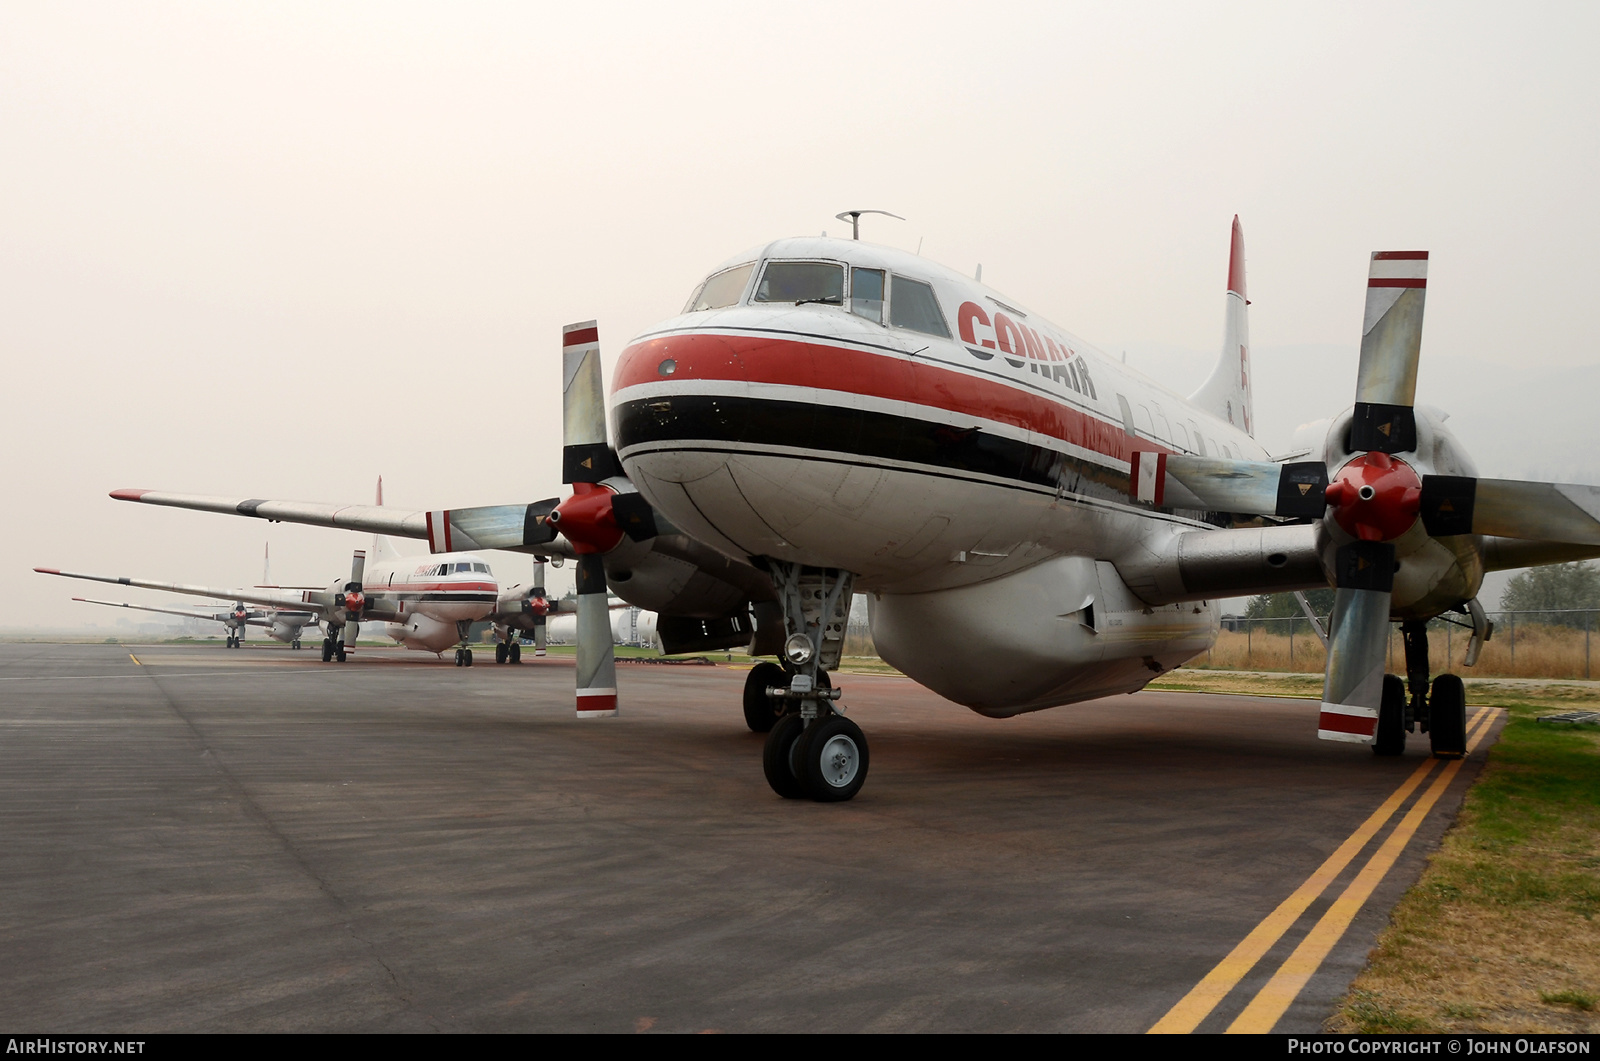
[[427, 602], [1035, 524]]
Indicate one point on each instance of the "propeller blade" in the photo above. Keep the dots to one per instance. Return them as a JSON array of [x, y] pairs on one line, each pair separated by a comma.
[[1219, 485], [358, 566], [1511, 508], [491, 527], [1391, 343], [539, 617], [1352, 689], [597, 668], [586, 456]]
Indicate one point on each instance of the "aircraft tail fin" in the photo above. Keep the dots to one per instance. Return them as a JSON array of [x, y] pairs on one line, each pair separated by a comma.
[[1227, 393], [382, 547]]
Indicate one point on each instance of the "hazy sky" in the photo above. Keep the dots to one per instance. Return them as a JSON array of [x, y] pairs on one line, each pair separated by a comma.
[[277, 250]]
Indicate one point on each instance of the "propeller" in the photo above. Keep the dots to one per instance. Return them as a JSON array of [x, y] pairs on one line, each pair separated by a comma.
[[587, 518], [352, 601]]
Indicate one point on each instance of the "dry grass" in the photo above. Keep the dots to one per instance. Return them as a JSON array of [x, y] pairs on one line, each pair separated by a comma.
[[1534, 652], [1500, 934]]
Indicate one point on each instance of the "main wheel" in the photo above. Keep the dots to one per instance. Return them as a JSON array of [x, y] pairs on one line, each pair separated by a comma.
[[501, 651], [1447, 717], [295, 644], [778, 757], [761, 710], [1391, 735], [338, 651], [514, 654], [832, 759], [327, 649]]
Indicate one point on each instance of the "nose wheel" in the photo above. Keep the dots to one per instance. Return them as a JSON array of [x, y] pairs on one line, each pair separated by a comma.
[[812, 750]]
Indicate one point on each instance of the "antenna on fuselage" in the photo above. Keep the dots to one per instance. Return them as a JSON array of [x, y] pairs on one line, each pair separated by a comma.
[[854, 217]]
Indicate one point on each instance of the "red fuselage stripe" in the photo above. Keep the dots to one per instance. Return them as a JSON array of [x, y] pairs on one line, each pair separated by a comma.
[[794, 363]]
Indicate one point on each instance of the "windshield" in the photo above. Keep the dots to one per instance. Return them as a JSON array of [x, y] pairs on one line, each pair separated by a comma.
[[801, 282], [722, 289]]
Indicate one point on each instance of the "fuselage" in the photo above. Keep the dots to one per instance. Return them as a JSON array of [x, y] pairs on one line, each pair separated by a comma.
[[936, 437]]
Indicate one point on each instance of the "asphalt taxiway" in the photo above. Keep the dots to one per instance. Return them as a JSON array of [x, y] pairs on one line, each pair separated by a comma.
[[196, 839]]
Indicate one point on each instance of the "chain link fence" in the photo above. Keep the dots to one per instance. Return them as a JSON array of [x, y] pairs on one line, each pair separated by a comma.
[[1554, 643]]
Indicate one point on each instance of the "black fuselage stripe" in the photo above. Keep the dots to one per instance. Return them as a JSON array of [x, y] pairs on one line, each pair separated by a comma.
[[868, 434]]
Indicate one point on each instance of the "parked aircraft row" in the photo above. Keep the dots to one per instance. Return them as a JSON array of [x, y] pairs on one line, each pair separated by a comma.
[[1033, 522]]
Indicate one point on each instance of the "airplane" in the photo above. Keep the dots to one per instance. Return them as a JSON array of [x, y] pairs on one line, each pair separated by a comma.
[[1034, 523], [285, 626], [428, 603]]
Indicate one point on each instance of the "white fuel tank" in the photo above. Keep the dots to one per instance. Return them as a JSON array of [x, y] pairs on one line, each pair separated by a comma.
[[1062, 631]]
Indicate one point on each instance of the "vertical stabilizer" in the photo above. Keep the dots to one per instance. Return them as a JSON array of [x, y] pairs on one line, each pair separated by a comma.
[[1227, 392], [382, 548]]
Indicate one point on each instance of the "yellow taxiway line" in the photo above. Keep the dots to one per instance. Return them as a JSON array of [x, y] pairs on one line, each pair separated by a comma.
[[1195, 1006]]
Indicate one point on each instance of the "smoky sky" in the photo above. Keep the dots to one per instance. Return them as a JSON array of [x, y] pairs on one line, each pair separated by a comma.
[[279, 250]]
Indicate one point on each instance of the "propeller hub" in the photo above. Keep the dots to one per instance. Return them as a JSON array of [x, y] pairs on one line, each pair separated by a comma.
[[353, 601], [1375, 497], [539, 605], [587, 520]]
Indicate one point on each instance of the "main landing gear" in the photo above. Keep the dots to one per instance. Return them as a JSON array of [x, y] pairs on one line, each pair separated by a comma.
[[234, 642], [1441, 713], [332, 650], [509, 651], [812, 750]]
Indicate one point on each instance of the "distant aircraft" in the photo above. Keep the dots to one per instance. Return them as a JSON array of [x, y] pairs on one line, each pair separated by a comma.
[[1035, 523], [429, 603], [281, 625]]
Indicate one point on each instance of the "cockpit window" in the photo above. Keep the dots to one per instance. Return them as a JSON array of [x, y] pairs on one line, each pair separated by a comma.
[[801, 283], [912, 305], [722, 289], [481, 567], [866, 294]]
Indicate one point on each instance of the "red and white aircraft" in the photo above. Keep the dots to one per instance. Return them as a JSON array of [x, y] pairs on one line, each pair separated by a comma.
[[428, 602], [1034, 523]]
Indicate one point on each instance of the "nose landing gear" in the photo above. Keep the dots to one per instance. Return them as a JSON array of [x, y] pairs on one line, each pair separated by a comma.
[[812, 750]]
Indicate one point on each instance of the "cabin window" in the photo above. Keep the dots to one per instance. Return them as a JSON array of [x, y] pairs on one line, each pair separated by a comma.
[[801, 283], [721, 289], [866, 294], [912, 305]]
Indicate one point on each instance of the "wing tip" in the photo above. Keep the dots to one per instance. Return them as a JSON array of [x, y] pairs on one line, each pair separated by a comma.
[[48, 570], [128, 494]]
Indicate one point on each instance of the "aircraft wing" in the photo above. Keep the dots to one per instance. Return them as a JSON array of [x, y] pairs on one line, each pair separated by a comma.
[[215, 617], [518, 528], [287, 601]]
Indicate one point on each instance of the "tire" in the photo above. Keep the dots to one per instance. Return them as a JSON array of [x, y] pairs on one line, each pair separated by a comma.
[[338, 651], [761, 710], [501, 651], [1447, 717], [514, 653], [1391, 735], [777, 758], [467, 660], [833, 759], [327, 649], [458, 657]]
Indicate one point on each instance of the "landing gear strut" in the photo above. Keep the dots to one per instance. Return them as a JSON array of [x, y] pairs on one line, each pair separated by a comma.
[[812, 750], [463, 653]]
